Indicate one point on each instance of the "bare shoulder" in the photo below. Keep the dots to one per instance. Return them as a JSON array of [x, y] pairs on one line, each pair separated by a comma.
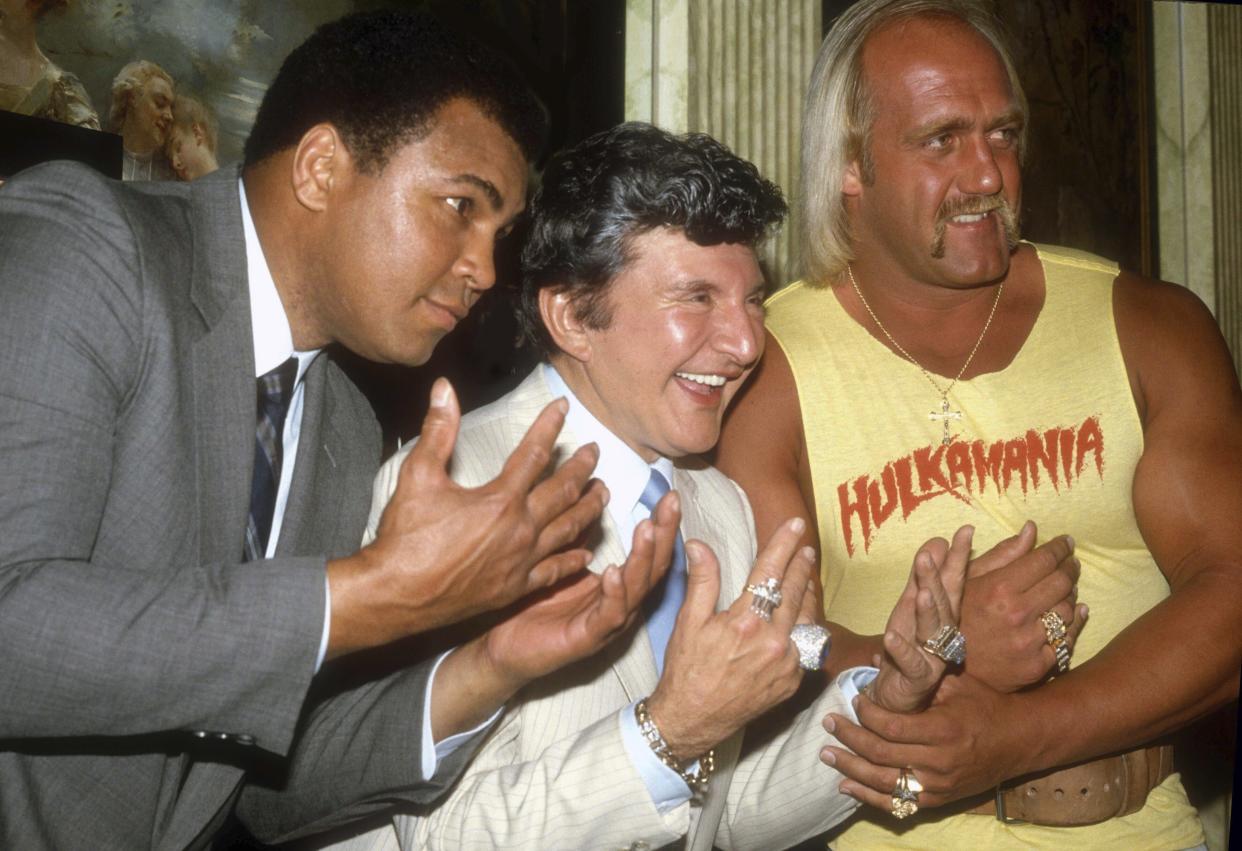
[[763, 448], [1173, 349]]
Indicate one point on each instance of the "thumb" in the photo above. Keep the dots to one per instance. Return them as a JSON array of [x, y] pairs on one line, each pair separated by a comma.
[[439, 434], [702, 583], [1004, 552]]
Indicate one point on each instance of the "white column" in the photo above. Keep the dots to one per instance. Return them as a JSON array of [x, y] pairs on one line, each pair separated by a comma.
[[735, 69]]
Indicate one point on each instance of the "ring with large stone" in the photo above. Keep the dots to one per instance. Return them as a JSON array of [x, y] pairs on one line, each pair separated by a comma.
[[766, 597], [906, 794], [812, 641], [1058, 640], [949, 644]]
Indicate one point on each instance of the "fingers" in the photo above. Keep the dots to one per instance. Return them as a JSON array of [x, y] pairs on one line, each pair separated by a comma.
[[863, 780], [530, 457], [919, 667], [552, 569], [666, 520], [793, 589], [558, 492], [953, 569], [774, 559], [934, 608], [439, 434], [614, 607], [1074, 628], [1057, 585], [568, 526], [1005, 552], [812, 610], [702, 585]]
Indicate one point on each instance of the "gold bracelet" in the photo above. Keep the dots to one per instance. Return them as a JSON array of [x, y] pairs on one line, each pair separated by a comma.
[[698, 781]]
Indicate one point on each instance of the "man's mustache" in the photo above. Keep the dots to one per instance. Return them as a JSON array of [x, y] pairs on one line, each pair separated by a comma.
[[973, 205]]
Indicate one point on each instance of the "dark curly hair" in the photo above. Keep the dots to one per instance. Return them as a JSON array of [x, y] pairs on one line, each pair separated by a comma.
[[601, 194], [379, 78]]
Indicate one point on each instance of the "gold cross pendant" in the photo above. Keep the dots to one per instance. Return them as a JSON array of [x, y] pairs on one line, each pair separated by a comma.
[[944, 415]]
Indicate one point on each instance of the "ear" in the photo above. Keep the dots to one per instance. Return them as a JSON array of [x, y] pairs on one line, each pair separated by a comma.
[[321, 165], [556, 309], [851, 181]]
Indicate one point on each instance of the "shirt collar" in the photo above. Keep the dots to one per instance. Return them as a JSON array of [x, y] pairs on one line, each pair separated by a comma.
[[269, 324], [620, 468]]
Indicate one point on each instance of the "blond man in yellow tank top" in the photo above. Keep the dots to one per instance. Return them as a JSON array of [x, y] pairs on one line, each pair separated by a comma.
[[933, 370]]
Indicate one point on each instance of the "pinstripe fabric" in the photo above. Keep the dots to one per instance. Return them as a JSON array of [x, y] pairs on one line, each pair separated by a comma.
[[554, 773]]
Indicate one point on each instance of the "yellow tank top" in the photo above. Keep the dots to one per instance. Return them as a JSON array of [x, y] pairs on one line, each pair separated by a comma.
[[1053, 437]]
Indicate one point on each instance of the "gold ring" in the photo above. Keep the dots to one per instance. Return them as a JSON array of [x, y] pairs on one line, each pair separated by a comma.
[[1058, 640], [906, 794]]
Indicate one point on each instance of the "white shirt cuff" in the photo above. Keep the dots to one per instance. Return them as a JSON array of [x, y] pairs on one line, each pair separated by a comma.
[[432, 754], [668, 791], [851, 681], [327, 623]]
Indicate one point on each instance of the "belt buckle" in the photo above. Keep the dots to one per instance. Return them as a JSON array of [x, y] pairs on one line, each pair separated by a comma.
[[1001, 816]]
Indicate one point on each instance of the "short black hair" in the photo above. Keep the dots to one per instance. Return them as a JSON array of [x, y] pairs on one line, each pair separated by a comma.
[[602, 193], [379, 78]]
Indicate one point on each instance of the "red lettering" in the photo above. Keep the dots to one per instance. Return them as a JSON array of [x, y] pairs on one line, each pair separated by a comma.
[[1090, 439], [927, 463], [1066, 442], [988, 467], [905, 488], [881, 511], [858, 507], [1042, 452], [957, 459], [1015, 462]]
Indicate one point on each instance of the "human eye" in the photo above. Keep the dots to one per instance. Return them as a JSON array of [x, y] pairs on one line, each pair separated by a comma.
[[1005, 137], [938, 142], [462, 206]]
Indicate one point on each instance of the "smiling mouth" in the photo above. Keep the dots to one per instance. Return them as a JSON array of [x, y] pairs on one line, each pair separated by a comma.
[[707, 380], [969, 218]]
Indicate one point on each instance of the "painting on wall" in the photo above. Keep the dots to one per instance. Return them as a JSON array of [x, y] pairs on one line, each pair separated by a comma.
[[180, 80]]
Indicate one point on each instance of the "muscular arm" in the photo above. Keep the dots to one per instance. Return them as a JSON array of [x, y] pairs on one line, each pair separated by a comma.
[[1178, 661], [762, 448]]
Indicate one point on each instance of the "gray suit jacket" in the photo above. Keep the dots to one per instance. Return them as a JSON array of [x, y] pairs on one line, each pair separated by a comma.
[[144, 670], [554, 772]]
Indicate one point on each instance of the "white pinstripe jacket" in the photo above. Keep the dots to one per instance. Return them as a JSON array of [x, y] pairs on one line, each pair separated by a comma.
[[554, 773]]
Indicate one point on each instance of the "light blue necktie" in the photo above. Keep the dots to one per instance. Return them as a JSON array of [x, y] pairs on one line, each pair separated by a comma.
[[664, 600]]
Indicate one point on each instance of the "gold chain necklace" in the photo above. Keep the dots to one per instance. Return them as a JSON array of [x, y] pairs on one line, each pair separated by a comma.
[[944, 415]]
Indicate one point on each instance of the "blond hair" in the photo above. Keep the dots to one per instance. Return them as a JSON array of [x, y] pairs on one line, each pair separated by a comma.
[[128, 80], [189, 111], [837, 121]]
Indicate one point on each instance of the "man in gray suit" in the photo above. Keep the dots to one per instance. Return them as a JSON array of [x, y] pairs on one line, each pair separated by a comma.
[[185, 474]]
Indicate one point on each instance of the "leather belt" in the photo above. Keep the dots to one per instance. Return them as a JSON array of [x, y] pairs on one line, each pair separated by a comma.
[[1084, 794]]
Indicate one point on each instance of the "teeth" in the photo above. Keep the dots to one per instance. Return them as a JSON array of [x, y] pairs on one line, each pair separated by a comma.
[[975, 217], [709, 380]]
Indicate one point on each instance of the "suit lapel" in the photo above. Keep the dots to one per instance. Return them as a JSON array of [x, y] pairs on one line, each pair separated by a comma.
[[309, 523], [705, 820]]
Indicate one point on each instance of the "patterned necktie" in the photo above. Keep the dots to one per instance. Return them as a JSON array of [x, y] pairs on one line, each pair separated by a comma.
[[274, 390], [663, 602]]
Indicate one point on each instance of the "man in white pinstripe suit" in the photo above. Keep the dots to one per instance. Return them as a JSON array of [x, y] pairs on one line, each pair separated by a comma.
[[641, 285]]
